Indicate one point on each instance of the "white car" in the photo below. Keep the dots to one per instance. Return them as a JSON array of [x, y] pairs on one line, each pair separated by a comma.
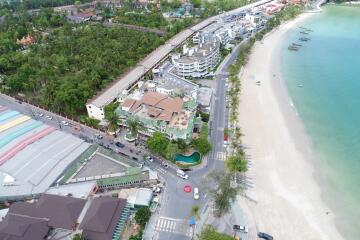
[[48, 117], [156, 189], [41, 115], [65, 123], [196, 193]]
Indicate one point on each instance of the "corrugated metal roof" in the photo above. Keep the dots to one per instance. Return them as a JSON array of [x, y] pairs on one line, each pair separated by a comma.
[[62, 212]]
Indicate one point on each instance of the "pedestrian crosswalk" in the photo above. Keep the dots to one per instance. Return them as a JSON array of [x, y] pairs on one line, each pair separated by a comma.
[[172, 225], [221, 156], [160, 170]]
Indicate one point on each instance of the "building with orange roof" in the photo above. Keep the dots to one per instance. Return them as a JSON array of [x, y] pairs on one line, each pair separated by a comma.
[[26, 41], [172, 115]]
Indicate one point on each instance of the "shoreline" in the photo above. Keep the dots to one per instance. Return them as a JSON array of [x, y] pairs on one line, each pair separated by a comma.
[[287, 198]]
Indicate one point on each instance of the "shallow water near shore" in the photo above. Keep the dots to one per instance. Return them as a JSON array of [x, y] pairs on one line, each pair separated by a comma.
[[323, 80]]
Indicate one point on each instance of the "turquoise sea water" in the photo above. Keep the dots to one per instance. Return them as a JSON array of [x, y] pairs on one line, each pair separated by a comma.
[[323, 80]]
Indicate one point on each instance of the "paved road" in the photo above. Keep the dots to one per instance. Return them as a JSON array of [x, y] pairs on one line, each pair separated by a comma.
[[175, 203], [86, 133], [171, 222]]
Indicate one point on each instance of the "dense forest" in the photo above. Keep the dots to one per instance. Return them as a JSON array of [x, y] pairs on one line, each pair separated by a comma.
[[36, 4], [152, 20], [68, 64]]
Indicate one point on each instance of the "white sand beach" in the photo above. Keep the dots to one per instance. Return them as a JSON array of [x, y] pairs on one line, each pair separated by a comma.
[[287, 198]]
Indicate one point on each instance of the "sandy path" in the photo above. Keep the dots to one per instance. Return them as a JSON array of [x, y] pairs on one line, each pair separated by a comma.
[[288, 199]]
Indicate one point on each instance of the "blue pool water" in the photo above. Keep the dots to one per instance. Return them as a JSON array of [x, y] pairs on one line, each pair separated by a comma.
[[193, 158]]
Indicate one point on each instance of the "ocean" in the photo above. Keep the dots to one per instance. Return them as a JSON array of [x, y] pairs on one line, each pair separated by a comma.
[[323, 81]]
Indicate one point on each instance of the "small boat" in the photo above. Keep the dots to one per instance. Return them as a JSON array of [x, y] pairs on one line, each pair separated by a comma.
[[302, 32], [300, 85], [293, 48], [306, 29], [304, 39], [296, 44]]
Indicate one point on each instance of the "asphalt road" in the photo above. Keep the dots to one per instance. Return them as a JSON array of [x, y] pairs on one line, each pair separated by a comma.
[[86, 133], [176, 203]]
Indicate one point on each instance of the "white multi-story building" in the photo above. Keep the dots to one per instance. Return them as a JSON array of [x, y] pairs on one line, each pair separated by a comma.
[[197, 61]]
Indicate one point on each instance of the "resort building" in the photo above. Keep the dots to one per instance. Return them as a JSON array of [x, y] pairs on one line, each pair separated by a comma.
[[171, 115], [198, 61]]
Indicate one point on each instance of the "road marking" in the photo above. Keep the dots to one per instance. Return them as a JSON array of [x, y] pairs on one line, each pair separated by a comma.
[[221, 156], [173, 225], [160, 170]]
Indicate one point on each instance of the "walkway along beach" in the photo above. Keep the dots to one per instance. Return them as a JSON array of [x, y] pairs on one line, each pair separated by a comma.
[[287, 199]]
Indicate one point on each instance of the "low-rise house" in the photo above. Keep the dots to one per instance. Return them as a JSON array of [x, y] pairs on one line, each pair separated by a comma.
[[105, 218], [19, 227], [26, 41], [40, 219], [134, 177], [61, 211], [85, 16], [204, 98], [272, 8], [137, 197]]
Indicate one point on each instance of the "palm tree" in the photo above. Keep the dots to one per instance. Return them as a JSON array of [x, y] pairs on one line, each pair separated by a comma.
[[113, 121], [195, 211], [223, 194], [78, 236], [134, 125]]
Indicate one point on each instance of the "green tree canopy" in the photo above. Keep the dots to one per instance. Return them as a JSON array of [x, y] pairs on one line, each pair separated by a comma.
[[134, 125], [171, 150], [78, 236], [237, 162], [69, 63], [201, 143], [158, 143], [209, 233], [223, 194], [142, 216]]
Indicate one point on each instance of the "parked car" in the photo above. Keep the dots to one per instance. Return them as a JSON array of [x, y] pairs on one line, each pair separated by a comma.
[[41, 115], [150, 159], [98, 136], [48, 117], [156, 189], [65, 123], [196, 193], [241, 228], [119, 144], [265, 236], [165, 165], [182, 174]]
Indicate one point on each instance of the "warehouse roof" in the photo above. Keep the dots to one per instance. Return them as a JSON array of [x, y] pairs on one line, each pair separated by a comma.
[[100, 220], [62, 212], [17, 227]]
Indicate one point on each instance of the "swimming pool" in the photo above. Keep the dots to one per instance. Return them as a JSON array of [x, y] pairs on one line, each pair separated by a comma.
[[193, 158]]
